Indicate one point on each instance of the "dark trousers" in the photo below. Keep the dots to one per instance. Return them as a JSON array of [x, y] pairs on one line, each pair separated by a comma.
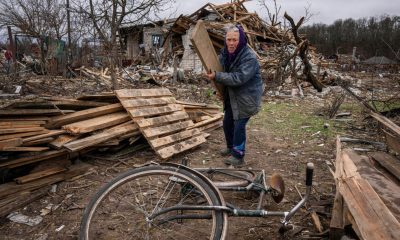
[[235, 132]]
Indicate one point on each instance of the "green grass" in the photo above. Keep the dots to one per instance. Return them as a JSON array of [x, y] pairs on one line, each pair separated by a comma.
[[293, 121], [382, 107]]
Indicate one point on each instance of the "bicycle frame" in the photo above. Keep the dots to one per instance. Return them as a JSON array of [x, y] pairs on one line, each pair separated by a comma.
[[236, 212]]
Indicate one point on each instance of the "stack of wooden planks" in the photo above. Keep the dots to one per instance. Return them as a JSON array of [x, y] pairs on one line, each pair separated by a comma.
[[366, 198]]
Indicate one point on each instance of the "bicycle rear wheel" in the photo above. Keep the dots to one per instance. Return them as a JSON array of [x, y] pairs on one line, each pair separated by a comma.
[[122, 208]]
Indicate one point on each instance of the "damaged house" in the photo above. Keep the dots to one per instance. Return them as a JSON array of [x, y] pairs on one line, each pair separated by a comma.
[[167, 43]]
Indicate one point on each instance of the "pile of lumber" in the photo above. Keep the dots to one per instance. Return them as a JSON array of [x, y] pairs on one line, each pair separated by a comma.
[[42, 137], [367, 197]]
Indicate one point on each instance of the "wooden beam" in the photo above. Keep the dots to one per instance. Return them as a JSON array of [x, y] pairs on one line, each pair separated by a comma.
[[388, 162], [205, 49], [14, 142], [20, 135], [21, 130], [38, 142], [41, 174], [387, 123], [101, 137], [28, 112], [31, 159], [97, 123], [58, 121], [24, 149], [45, 135]]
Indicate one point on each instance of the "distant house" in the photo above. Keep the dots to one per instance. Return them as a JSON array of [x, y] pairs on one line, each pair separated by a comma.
[[379, 60]]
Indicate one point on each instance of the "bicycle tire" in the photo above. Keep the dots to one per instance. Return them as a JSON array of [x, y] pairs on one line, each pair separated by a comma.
[[226, 177], [141, 228]]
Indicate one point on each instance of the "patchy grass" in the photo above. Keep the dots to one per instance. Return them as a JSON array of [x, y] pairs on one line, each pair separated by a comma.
[[293, 120], [384, 106]]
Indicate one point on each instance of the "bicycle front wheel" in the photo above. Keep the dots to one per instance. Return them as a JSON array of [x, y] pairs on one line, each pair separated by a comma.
[[122, 209]]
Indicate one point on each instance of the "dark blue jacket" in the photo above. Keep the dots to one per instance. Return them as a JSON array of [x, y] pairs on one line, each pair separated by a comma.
[[243, 81]]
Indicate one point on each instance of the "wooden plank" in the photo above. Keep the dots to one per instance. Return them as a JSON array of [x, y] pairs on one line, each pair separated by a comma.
[[100, 137], [7, 189], [388, 162], [103, 97], [31, 159], [28, 112], [141, 93], [176, 116], [387, 123], [208, 121], [61, 140], [20, 200], [25, 118], [392, 142], [205, 50], [15, 142], [19, 126], [51, 133], [140, 102], [210, 127], [148, 112], [21, 130], [97, 123], [83, 115], [177, 137], [41, 174], [38, 142], [24, 149], [388, 191], [171, 128], [19, 135], [12, 124], [180, 147]]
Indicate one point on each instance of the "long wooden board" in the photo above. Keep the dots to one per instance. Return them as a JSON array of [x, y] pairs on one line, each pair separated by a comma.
[[41, 174], [51, 133], [97, 123], [205, 49], [61, 140], [83, 115], [20, 135], [35, 158], [100, 137], [21, 130], [388, 162], [14, 142], [387, 123]]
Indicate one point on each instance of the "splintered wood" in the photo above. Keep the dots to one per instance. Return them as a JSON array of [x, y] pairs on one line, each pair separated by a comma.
[[162, 121]]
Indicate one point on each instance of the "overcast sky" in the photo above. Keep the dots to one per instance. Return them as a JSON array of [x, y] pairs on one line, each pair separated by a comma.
[[324, 11]]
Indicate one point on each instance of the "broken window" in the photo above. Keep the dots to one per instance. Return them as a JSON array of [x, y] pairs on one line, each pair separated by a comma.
[[156, 40]]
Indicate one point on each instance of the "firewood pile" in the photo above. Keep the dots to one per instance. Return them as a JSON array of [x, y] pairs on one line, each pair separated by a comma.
[[38, 139]]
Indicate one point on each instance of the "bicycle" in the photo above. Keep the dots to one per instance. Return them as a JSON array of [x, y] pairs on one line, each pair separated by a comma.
[[173, 201]]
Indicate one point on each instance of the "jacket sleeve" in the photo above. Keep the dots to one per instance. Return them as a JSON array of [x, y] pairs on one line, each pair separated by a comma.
[[247, 69]]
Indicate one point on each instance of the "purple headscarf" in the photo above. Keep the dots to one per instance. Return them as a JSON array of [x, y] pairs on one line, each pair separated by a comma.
[[242, 43]]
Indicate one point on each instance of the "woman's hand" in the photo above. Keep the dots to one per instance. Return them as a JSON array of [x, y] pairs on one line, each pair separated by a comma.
[[210, 75]]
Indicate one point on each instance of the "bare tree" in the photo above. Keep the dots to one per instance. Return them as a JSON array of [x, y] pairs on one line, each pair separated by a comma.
[[35, 17], [107, 17]]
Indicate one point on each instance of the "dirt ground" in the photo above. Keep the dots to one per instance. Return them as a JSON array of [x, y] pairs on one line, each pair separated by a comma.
[[274, 143]]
